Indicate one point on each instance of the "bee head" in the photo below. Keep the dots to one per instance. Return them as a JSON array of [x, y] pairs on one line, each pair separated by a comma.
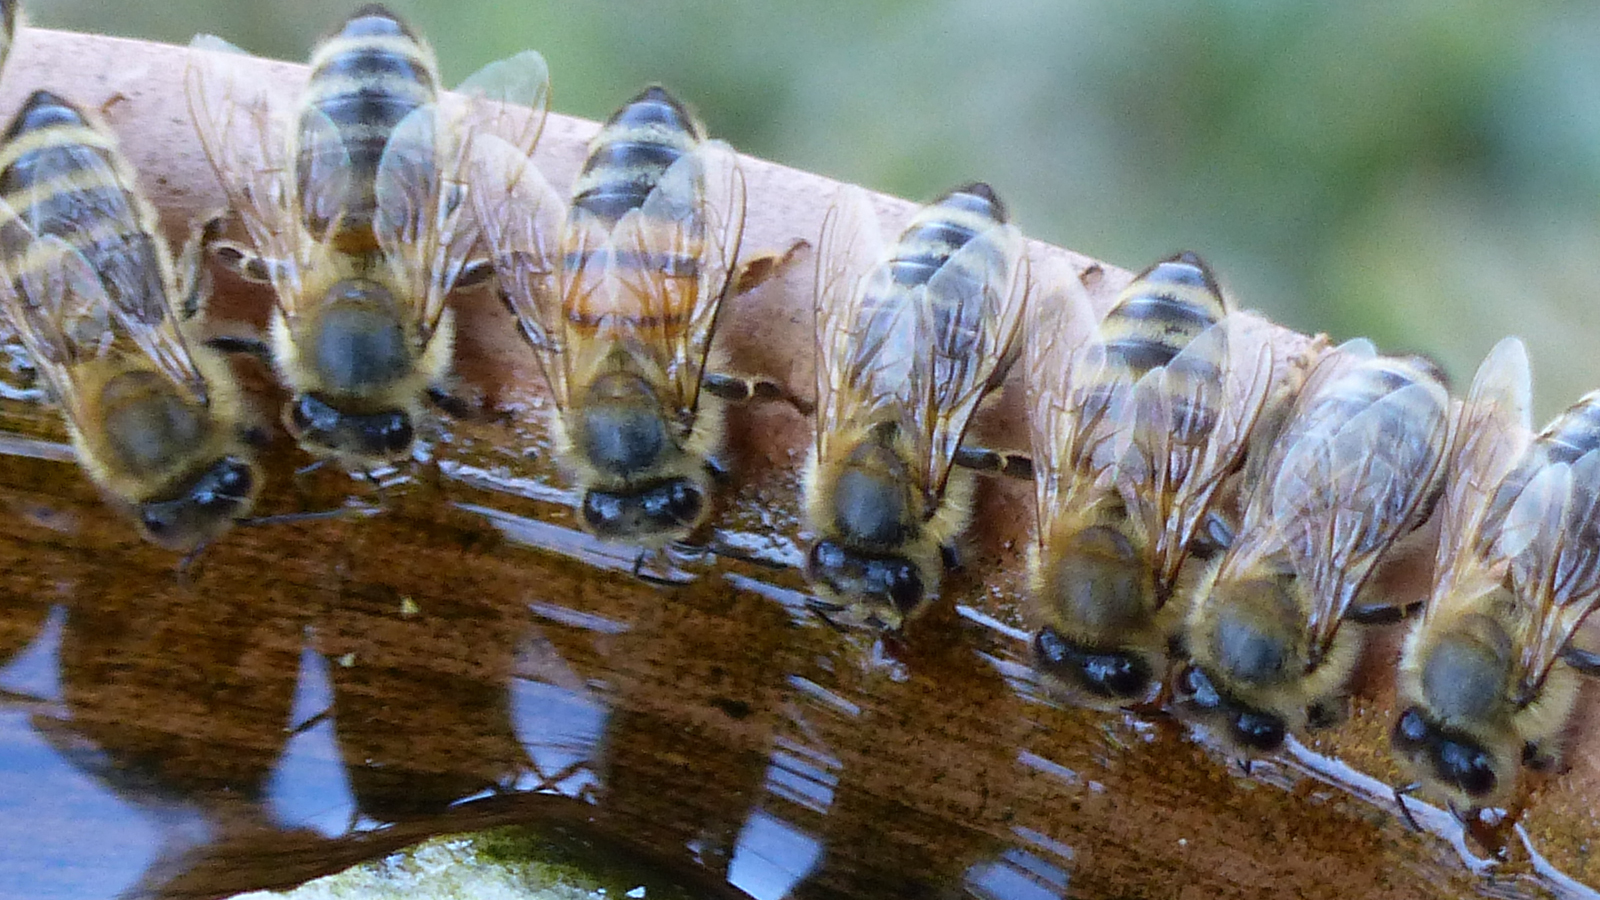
[[1259, 730], [1118, 674], [1453, 757], [202, 508], [888, 586], [321, 427], [663, 511]]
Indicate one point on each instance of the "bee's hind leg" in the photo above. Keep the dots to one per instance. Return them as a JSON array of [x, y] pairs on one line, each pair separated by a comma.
[[737, 389], [995, 462]]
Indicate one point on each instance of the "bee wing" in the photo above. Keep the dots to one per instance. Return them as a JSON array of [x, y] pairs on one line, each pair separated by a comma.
[[1489, 435], [127, 299], [422, 223], [508, 97], [969, 318], [864, 352], [243, 138], [671, 258], [1187, 426], [1345, 490], [60, 311], [521, 216], [1063, 356], [1552, 537]]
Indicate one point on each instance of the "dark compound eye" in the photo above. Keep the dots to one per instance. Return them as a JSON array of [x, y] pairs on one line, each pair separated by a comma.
[[1411, 731], [1258, 731], [389, 432], [1467, 767], [825, 556], [601, 510], [904, 587], [157, 522], [1115, 674]]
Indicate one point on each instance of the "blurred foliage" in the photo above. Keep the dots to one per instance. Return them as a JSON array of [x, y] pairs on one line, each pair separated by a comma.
[[1425, 172]]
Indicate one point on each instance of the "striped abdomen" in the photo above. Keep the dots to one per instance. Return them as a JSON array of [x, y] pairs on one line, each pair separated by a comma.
[[1155, 318], [627, 158], [1573, 433], [925, 248], [1166, 307], [65, 177], [626, 162], [364, 81], [1353, 392]]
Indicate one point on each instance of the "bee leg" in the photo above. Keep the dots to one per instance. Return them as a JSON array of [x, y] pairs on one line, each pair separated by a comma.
[[241, 344], [1248, 766], [951, 557], [1585, 661], [757, 269], [474, 273], [718, 470], [1214, 535], [184, 570], [735, 389], [242, 260], [997, 462], [1400, 793], [1381, 613], [311, 723], [452, 405]]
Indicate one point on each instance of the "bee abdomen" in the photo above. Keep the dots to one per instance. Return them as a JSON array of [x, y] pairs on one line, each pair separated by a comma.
[[53, 167], [1576, 431], [941, 229], [365, 80], [1165, 308], [631, 152]]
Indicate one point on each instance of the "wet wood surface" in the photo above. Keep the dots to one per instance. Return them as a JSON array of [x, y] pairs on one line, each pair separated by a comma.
[[310, 694]]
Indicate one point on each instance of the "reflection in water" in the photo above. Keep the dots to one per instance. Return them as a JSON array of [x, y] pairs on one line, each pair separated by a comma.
[[309, 696], [308, 787]]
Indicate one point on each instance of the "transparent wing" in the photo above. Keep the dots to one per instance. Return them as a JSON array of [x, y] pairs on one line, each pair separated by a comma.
[[1190, 422], [864, 349], [242, 133], [1063, 359], [1345, 490], [521, 216], [422, 223], [670, 260], [59, 309], [969, 321], [1262, 532], [1552, 537], [508, 98], [1491, 431]]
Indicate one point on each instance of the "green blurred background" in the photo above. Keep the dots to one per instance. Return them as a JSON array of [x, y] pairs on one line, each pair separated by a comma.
[[1426, 172]]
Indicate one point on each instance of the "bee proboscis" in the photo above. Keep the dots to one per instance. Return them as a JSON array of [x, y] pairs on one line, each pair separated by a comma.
[[1136, 421], [1354, 467], [910, 339], [357, 212], [90, 287]]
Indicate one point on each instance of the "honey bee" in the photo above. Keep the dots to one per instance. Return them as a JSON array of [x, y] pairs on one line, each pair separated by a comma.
[[91, 290], [357, 215], [622, 313], [1135, 425], [1355, 466], [1489, 675], [909, 341]]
